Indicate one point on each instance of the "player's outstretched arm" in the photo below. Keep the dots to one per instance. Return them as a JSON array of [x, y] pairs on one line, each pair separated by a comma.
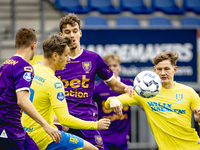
[[197, 114], [116, 106], [120, 87], [70, 121], [26, 105], [103, 124]]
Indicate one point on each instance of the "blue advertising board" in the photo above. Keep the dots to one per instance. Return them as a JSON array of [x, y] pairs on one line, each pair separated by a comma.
[[138, 47]]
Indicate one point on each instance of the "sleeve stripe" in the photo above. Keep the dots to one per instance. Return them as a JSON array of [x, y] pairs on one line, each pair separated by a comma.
[[22, 89], [109, 78]]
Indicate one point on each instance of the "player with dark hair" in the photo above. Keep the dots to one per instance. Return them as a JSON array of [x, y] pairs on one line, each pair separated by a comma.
[[47, 95], [15, 79], [120, 125], [169, 112], [78, 78]]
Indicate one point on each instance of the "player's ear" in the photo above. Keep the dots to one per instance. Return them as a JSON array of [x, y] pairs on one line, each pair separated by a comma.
[[60, 34], [80, 33], [154, 68], [175, 69], [33, 45], [54, 56]]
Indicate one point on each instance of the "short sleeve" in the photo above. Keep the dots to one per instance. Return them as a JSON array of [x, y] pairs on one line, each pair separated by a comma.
[[195, 101], [103, 70], [23, 76]]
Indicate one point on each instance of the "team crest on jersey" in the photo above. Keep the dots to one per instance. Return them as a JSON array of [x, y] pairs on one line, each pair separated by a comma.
[[179, 96], [98, 139], [87, 66], [27, 76], [58, 85], [60, 96]]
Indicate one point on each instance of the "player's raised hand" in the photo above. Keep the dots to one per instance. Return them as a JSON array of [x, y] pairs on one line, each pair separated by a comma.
[[197, 114], [129, 90], [103, 124], [54, 133], [116, 106]]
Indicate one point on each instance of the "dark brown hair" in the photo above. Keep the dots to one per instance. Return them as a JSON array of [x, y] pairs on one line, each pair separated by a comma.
[[25, 37], [71, 19], [172, 56], [55, 43]]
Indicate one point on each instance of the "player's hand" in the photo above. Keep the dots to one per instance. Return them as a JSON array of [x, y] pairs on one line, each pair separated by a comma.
[[54, 133], [197, 114], [129, 90], [116, 106], [103, 124]]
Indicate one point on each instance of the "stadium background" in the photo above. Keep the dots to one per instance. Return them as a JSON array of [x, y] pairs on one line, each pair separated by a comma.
[[136, 44]]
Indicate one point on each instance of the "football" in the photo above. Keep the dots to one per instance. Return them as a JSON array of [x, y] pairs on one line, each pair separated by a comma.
[[147, 84]]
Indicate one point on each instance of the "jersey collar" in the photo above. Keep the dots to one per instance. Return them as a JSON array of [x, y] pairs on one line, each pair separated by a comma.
[[77, 55]]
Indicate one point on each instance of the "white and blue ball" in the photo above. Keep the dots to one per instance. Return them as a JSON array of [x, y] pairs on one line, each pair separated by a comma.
[[147, 84]]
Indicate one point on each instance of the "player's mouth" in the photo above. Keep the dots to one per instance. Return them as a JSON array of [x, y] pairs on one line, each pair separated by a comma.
[[163, 78], [74, 41]]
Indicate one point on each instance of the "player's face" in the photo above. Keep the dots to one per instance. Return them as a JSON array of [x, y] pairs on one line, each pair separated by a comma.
[[63, 59], [115, 67], [74, 32], [166, 72]]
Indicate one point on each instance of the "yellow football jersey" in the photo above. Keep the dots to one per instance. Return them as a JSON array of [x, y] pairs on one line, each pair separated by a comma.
[[169, 116], [47, 95]]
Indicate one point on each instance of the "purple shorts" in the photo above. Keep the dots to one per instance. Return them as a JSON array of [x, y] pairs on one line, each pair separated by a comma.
[[92, 136], [115, 146], [12, 144]]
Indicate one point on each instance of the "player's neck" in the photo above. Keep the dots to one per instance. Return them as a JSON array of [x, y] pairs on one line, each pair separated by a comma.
[[75, 52], [48, 63], [168, 85], [25, 53]]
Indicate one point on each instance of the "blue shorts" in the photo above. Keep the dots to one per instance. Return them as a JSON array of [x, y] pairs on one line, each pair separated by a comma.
[[67, 142], [12, 144], [92, 136]]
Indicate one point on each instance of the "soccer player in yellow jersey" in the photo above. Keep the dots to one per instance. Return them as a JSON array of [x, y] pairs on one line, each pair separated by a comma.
[[47, 95], [169, 112]]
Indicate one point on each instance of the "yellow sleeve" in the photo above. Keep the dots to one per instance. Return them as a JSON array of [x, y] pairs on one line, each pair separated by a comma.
[[59, 105], [70, 121], [195, 101], [125, 99]]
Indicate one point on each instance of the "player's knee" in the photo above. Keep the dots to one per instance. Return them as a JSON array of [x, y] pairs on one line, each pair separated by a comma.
[[89, 146]]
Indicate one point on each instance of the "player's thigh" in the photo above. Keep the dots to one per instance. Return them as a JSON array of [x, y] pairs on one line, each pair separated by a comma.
[[67, 142], [89, 146], [92, 136], [4, 143], [115, 146], [29, 143]]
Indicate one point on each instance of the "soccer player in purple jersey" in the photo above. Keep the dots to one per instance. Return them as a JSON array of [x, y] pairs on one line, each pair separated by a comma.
[[78, 78], [16, 75], [120, 125]]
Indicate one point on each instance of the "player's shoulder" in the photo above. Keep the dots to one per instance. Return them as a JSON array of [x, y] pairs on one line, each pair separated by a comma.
[[20, 64], [91, 53], [183, 86]]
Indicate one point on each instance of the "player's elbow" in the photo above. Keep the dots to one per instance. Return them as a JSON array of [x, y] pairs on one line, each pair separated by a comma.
[[21, 103]]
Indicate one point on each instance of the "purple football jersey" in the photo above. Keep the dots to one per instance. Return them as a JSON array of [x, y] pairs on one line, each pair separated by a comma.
[[120, 125], [78, 78], [15, 75]]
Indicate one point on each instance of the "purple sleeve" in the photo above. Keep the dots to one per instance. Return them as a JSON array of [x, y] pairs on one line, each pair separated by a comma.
[[103, 70], [23, 76]]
